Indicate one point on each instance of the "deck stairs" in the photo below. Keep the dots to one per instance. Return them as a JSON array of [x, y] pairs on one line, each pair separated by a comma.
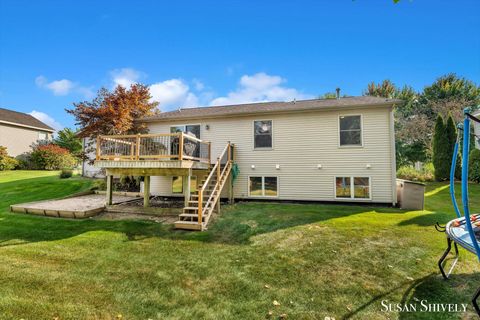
[[203, 204]]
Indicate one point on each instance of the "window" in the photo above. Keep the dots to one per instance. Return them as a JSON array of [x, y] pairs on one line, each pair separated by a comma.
[[191, 129], [42, 136], [350, 131], [352, 187], [262, 131], [263, 187], [177, 184]]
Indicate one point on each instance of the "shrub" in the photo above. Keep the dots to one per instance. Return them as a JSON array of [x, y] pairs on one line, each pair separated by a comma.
[[410, 173], [127, 183], [66, 173], [6, 162], [51, 157], [441, 151], [474, 166]]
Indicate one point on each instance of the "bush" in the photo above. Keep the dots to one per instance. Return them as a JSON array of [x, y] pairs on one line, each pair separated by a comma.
[[51, 157], [410, 173], [66, 173], [6, 162], [474, 166], [127, 183]]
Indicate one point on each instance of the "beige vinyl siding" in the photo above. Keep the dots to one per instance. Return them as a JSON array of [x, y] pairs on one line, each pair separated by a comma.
[[19, 139], [301, 141]]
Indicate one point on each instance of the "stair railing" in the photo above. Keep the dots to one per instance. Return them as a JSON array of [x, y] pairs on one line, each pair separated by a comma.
[[215, 170]]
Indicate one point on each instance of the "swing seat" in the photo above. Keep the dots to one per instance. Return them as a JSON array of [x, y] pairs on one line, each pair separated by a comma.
[[457, 231]]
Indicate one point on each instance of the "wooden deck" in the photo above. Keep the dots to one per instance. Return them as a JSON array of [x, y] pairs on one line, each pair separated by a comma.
[[176, 154]]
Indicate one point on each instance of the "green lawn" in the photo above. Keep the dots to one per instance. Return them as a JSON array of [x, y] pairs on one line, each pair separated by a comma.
[[316, 261]]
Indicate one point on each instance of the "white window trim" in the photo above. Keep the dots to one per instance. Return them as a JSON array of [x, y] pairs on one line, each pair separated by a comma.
[[352, 186], [185, 127], [350, 146], [253, 140], [263, 186]]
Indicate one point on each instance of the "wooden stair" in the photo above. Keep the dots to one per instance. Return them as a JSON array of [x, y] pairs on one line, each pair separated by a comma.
[[201, 205]]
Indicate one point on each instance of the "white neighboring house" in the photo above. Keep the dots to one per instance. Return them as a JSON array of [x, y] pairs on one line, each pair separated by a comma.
[[88, 169], [18, 131], [313, 150]]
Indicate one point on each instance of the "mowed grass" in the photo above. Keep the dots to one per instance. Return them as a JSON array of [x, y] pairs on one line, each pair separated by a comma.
[[314, 260]]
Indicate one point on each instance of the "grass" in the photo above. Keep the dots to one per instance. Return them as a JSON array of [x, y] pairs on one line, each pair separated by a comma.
[[315, 260]]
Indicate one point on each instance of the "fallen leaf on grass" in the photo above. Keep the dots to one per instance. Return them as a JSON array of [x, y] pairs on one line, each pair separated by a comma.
[[276, 303], [267, 286], [283, 316]]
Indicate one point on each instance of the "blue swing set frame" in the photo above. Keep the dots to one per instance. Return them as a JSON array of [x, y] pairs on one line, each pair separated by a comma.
[[461, 231]]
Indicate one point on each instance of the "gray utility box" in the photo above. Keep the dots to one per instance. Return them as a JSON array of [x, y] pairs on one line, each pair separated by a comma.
[[410, 194]]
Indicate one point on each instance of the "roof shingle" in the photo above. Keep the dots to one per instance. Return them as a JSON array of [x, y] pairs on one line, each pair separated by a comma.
[[271, 107], [22, 119]]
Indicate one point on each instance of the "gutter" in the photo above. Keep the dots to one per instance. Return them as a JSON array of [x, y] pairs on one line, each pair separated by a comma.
[[26, 126]]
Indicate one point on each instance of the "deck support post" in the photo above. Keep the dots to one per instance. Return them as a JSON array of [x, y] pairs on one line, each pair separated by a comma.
[[146, 191], [109, 193], [186, 186], [230, 189]]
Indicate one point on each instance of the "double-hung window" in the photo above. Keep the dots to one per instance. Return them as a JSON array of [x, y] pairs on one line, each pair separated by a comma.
[[263, 187], [350, 131], [262, 132], [352, 188]]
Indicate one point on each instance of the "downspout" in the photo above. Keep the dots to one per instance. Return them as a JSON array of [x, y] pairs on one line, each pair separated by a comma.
[[393, 157]]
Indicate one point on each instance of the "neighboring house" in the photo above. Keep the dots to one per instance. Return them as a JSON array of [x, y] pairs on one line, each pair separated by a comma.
[[88, 169], [19, 130], [313, 150]]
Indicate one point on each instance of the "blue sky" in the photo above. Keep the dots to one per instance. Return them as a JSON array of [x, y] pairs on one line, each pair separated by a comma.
[[53, 53]]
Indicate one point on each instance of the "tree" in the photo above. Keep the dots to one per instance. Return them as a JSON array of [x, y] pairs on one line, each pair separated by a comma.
[[114, 112], [385, 89], [451, 134], [68, 139], [441, 158], [328, 95]]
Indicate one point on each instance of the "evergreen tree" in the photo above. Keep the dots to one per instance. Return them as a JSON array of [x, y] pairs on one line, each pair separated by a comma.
[[451, 136], [441, 157]]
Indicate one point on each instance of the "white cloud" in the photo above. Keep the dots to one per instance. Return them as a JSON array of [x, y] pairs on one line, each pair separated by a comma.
[[173, 93], [58, 87], [125, 77], [199, 86], [45, 118], [260, 87], [62, 87]]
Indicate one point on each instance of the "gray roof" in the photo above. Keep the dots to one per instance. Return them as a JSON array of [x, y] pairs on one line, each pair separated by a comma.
[[23, 119], [271, 107]]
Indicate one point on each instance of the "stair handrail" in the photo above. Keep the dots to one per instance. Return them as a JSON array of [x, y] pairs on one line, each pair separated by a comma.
[[207, 181]]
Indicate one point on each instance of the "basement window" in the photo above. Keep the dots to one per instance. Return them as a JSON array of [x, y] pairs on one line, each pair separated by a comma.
[[177, 185], [262, 131], [263, 187], [352, 188], [350, 131]]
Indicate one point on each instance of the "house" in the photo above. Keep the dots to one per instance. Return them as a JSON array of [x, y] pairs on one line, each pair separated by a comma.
[[19, 130], [340, 150]]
